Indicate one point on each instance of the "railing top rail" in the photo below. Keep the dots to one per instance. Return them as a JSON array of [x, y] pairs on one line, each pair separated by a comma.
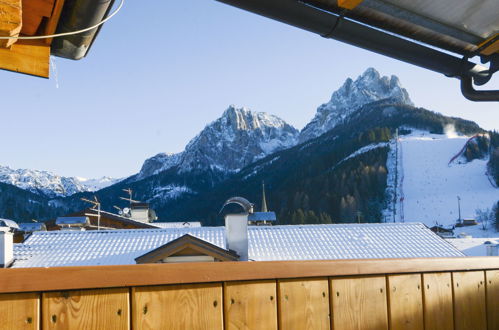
[[87, 277]]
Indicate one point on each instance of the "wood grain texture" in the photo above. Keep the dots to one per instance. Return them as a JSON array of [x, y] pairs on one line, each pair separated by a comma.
[[19, 311], [88, 277], [27, 56], [437, 301], [359, 303], [303, 304], [33, 13], [469, 300], [250, 305], [87, 309], [52, 22], [196, 306], [10, 21], [405, 300], [349, 4], [492, 283]]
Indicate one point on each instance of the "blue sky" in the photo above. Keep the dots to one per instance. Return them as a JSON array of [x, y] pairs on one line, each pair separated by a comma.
[[161, 70]]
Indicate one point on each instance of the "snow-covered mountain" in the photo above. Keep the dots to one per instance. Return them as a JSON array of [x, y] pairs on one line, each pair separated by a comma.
[[367, 88], [236, 139], [50, 184]]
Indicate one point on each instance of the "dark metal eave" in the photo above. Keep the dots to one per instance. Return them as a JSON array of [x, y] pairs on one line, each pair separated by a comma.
[[76, 15], [330, 25]]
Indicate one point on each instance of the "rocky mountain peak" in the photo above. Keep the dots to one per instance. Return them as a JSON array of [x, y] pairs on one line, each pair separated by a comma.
[[367, 88], [237, 138]]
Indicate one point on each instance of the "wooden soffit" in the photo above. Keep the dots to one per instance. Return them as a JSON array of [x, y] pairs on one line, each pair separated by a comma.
[[28, 18]]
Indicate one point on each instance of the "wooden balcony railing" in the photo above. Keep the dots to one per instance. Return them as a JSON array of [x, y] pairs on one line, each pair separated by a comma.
[[451, 293]]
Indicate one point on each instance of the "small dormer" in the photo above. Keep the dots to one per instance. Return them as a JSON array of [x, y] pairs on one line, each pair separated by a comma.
[[187, 248]]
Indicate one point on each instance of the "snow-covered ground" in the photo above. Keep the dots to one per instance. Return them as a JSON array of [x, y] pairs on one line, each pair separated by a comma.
[[428, 187]]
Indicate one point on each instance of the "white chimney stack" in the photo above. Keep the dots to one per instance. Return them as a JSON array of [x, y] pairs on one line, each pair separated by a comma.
[[6, 247], [236, 234]]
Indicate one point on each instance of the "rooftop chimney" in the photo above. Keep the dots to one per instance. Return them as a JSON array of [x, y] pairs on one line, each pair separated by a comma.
[[236, 234], [6, 247], [236, 227]]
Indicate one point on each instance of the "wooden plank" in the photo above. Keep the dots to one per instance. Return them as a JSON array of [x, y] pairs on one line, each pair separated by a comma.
[[87, 277], [303, 304], [53, 20], [349, 4], [359, 303], [196, 306], [492, 282], [33, 13], [19, 311], [250, 305], [437, 301], [87, 309], [27, 56], [10, 21], [469, 300], [405, 302]]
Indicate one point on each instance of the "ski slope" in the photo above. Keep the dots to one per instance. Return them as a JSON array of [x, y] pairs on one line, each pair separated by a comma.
[[429, 185]]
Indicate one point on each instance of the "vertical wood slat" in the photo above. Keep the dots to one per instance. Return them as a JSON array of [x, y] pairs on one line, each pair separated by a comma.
[[405, 302], [86, 309], [359, 303], [469, 300], [492, 283], [303, 304], [190, 306], [250, 305], [19, 311], [437, 301]]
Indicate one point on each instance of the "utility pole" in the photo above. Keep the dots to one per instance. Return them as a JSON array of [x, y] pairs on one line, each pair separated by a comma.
[[459, 208], [396, 175]]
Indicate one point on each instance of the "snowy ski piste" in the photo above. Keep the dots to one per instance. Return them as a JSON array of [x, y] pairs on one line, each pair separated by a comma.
[[428, 185]]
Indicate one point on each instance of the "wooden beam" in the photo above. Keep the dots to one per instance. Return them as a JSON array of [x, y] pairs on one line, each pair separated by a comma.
[[349, 4], [27, 56], [33, 13], [53, 20], [88, 277], [10, 21]]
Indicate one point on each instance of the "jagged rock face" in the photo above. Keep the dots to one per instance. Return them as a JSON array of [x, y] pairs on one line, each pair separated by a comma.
[[367, 88], [160, 162], [236, 139], [50, 184]]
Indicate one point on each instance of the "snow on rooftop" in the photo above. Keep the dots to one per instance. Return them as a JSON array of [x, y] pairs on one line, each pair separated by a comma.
[[304, 242], [473, 247], [185, 224]]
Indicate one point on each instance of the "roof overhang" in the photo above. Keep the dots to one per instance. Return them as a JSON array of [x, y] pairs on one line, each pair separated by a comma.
[[32, 18]]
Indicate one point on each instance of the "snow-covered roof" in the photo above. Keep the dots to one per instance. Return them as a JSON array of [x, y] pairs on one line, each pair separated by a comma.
[[262, 216], [473, 246], [185, 224], [303, 242]]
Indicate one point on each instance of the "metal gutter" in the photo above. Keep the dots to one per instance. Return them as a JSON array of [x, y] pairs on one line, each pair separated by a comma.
[[79, 14]]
